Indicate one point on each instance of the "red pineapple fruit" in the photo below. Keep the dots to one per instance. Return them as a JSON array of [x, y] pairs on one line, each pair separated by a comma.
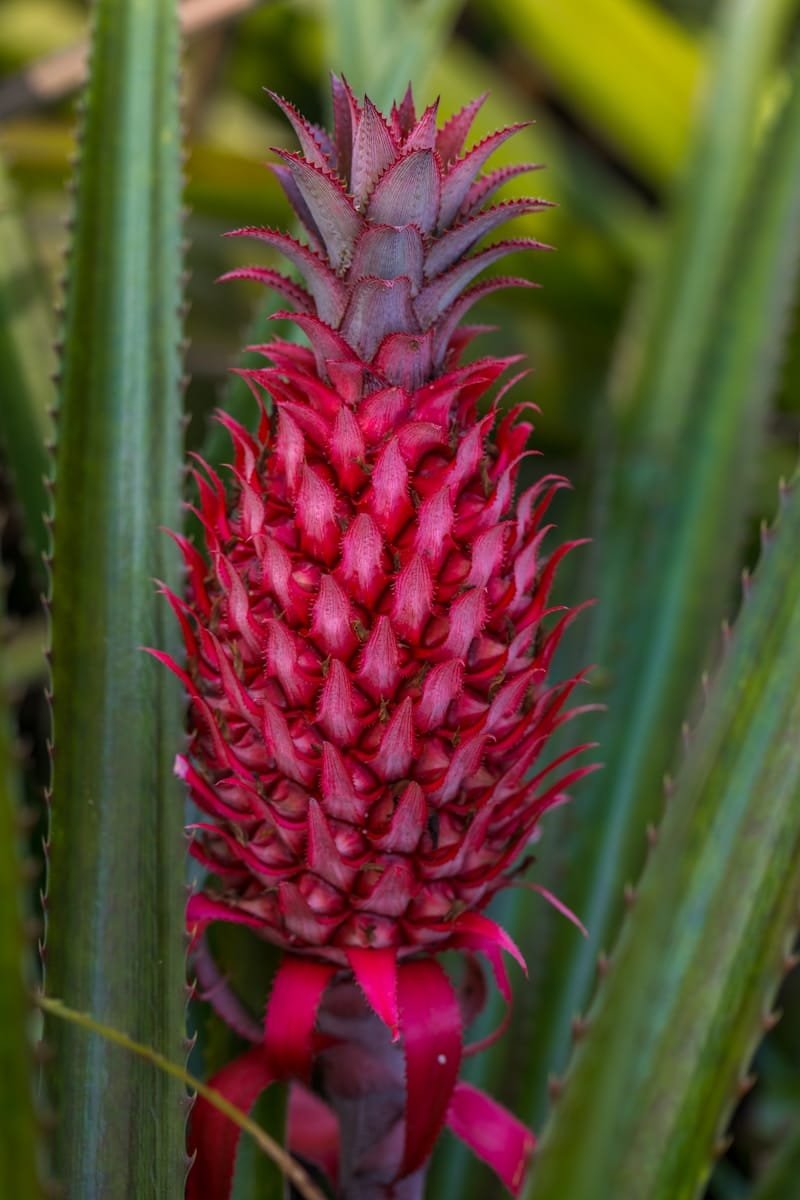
[[366, 628]]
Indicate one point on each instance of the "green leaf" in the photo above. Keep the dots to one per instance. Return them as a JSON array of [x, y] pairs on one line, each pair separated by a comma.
[[20, 1152], [682, 1008], [26, 365], [115, 903], [665, 563], [626, 66], [662, 355]]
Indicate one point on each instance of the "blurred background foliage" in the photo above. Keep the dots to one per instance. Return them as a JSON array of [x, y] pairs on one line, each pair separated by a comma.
[[620, 92]]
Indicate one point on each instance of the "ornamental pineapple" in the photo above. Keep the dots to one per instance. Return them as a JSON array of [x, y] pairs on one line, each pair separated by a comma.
[[366, 627]]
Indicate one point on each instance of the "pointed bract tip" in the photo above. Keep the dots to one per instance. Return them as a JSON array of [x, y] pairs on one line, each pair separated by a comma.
[[375, 972]]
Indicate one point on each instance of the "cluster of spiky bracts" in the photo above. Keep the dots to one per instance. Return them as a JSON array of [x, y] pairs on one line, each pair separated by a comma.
[[367, 626], [365, 632]]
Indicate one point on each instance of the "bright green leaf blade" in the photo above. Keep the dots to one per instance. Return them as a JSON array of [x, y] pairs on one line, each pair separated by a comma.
[[20, 1153], [679, 1014], [666, 565], [26, 365], [626, 66], [115, 905]]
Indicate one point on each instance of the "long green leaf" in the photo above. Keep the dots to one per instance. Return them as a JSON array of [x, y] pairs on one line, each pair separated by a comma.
[[115, 905], [665, 567], [691, 981], [20, 1152], [662, 355], [601, 55], [26, 366]]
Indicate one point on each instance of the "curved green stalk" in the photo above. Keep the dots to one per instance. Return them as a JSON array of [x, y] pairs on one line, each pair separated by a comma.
[[115, 904]]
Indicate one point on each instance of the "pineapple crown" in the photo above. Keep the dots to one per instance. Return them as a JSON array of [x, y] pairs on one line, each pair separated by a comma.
[[393, 211]]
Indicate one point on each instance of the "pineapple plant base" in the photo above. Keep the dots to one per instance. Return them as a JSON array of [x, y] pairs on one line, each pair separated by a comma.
[[367, 643]]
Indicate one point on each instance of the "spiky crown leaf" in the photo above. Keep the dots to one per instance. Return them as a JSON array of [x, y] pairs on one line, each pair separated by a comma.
[[393, 211]]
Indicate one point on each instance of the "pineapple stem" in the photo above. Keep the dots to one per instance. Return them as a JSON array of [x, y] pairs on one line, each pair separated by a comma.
[[362, 1077]]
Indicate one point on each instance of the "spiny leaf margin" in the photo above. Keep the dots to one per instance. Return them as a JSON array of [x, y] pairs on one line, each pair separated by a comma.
[[115, 941]]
